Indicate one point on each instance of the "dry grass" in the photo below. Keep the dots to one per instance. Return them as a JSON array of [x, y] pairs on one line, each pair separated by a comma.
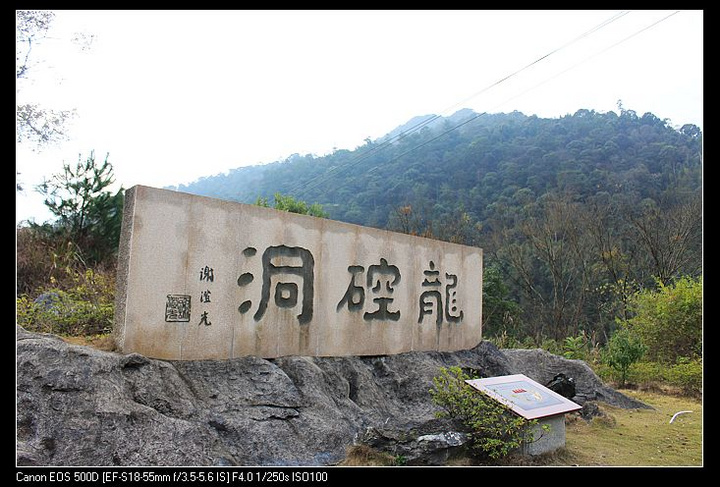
[[100, 342], [640, 437], [363, 455]]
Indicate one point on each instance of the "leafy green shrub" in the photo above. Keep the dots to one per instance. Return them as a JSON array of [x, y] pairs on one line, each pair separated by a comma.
[[551, 345], [687, 375], [647, 373], [495, 430], [85, 308], [290, 204], [622, 350], [503, 340], [669, 320], [577, 347]]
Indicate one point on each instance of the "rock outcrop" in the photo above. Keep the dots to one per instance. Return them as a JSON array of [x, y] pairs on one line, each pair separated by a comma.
[[77, 405]]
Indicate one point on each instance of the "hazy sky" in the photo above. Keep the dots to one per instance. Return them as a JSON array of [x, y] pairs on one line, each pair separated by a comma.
[[176, 95]]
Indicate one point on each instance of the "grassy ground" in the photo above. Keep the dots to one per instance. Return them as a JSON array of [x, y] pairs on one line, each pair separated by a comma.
[[639, 437], [620, 438], [630, 437]]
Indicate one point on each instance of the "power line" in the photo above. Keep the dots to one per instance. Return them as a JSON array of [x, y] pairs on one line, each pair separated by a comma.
[[568, 69], [314, 182]]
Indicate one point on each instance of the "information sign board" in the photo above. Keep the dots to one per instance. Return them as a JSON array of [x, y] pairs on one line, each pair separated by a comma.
[[524, 396]]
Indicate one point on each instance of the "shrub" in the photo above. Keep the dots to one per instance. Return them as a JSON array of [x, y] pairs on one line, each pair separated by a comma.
[[669, 320], [577, 347], [622, 350], [687, 375], [495, 430], [85, 308], [43, 260]]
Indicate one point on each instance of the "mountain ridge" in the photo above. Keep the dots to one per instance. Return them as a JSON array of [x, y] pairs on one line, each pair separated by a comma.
[[469, 141]]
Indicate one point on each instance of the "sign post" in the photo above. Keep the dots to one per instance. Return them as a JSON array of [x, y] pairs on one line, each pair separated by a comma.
[[532, 401]]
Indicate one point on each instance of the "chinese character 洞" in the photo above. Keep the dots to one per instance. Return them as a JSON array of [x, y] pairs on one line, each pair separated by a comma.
[[286, 290], [245, 279]]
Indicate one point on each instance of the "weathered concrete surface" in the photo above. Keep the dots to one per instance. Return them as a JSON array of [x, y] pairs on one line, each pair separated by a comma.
[[548, 435], [80, 406], [201, 278]]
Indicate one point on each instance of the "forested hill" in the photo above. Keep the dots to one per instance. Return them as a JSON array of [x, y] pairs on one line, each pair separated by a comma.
[[473, 161], [573, 213]]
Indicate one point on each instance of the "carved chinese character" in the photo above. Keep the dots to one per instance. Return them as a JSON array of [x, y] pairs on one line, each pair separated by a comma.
[[431, 280], [207, 274], [286, 292], [451, 300], [380, 280], [431, 300], [204, 319], [355, 294], [376, 276]]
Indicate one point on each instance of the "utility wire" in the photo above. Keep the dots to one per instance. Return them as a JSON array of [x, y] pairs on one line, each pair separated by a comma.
[[314, 182], [532, 88], [584, 60]]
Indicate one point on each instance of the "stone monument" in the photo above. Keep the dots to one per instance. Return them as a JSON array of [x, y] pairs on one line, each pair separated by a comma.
[[202, 278]]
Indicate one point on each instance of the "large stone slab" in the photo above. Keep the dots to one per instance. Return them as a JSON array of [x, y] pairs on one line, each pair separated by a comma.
[[201, 278]]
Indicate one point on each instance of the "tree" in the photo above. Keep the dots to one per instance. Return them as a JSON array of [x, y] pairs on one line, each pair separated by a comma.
[[622, 350], [500, 313], [88, 214], [35, 124], [30, 26], [671, 234], [547, 256]]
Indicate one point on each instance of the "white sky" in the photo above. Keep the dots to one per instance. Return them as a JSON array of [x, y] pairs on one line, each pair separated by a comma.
[[176, 95]]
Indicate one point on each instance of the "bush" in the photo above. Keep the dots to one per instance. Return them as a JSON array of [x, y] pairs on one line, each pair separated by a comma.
[[622, 350], [43, 261], [669, 320], [85, 308], [687, 375], [290, 204], [495, 430]]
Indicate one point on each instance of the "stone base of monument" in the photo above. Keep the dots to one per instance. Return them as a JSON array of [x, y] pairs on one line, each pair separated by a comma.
[[532, 401], [548, 435]]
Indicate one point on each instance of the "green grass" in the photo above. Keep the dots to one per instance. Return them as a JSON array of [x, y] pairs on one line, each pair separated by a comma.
[[638, 437]]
